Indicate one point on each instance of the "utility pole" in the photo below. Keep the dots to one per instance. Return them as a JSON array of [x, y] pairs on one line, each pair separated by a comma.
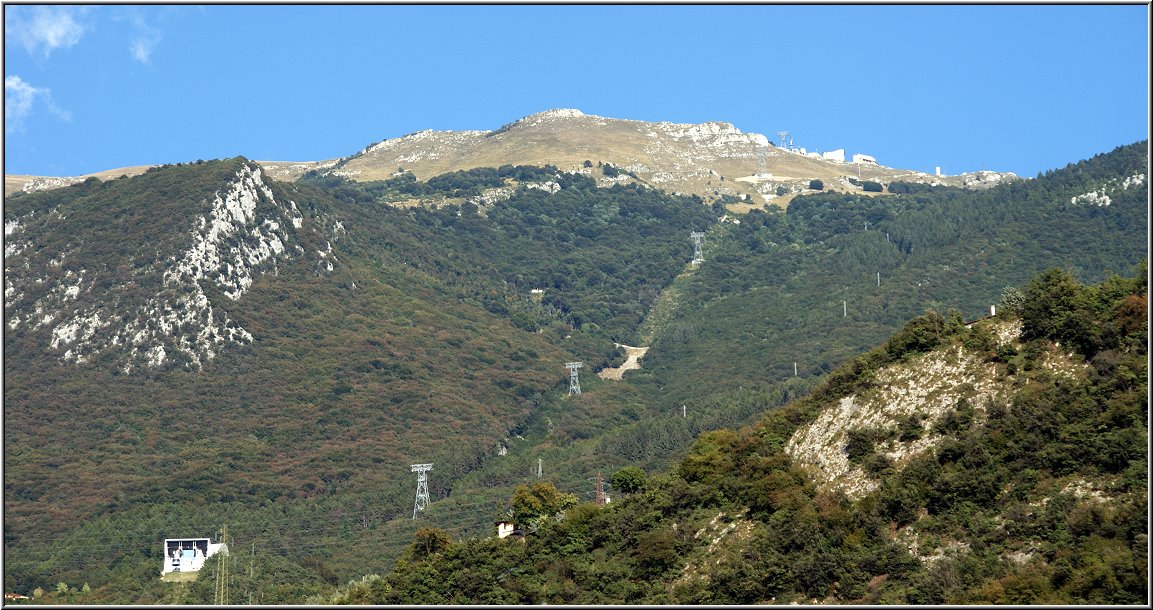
[[251, 565], [794, 368], [539, 467], [600, 499], [878, 278], [845, 307], [574, 384], [684, 411], [422, 500], [222, 570]]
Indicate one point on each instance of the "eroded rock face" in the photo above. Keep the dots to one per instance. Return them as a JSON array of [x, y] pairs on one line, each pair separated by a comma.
[[245, 231], [1101, 197], [927, 387]]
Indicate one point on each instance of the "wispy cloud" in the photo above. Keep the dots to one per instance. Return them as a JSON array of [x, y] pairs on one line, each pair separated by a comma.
[[43, 29], [144, 40], [21, 98]]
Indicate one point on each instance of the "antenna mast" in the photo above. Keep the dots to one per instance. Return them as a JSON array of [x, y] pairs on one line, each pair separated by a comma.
[[698, 255], [574, 384], [422, 500], [782, 135]]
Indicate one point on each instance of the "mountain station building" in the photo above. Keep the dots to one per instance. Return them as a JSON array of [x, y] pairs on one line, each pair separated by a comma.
[[188, 554]]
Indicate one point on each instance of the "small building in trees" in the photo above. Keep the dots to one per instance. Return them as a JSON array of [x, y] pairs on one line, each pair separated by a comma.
[[504, 529], [188, 554]]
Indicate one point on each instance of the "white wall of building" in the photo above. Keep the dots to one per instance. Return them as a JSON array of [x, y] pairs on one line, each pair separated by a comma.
[[835, 155], [188, 554]]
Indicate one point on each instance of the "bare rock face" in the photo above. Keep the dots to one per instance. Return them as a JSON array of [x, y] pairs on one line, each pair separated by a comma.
[[925, 389], [985, 179], [1101, 197], [148, 312]]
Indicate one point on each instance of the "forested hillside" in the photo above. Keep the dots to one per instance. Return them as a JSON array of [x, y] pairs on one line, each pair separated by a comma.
[[1038, 495], [410, 322], [391, 336], [801, 285]]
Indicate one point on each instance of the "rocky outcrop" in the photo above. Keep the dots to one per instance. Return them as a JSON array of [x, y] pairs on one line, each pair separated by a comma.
[[924, 389], [242, 235], [1101, 197]]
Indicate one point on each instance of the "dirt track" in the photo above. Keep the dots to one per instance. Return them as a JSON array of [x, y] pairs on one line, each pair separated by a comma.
[[634, 354]]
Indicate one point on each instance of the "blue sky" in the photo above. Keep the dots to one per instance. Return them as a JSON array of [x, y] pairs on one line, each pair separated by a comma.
[[1010, 88]]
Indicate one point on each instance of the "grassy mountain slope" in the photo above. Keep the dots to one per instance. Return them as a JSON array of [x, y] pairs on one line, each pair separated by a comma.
[[704, 159]]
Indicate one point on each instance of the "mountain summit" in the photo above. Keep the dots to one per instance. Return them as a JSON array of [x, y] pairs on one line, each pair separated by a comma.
[[712, 159], [709, 159]]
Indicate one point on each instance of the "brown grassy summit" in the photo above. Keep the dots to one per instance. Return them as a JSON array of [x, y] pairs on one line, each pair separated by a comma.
[[708, 159], [18, 183]]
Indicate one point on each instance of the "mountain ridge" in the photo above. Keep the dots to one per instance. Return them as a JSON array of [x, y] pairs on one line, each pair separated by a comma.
[[710, 159]]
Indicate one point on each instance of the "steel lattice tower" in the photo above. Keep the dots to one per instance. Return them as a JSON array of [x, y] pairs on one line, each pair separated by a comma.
[[783, 135], [574, 383], [422, 500], [698, 255]]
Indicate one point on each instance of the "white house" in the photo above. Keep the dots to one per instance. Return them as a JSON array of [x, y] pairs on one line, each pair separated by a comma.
[[835, 155], [188, 554], [504, 529], [859, 158]]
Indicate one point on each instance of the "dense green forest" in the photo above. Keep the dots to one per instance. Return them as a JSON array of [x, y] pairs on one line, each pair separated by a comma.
[[801, 285], [737, 522], [426, 343]]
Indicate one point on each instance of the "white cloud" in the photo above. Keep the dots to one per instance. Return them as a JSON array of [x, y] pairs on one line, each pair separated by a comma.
[[21, 98], [43, 29], [144, 40]]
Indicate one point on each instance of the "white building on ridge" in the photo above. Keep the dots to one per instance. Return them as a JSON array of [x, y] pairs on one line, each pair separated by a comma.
[[835, 155]]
